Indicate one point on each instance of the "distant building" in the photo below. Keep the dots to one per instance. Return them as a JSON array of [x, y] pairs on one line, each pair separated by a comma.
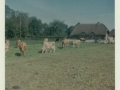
[[89, 30], [112, 33]]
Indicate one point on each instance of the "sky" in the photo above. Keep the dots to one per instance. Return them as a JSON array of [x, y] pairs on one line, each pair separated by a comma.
[[69, 11]]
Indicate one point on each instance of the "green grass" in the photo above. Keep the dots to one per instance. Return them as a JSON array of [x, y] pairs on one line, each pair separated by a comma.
[[89, 67]]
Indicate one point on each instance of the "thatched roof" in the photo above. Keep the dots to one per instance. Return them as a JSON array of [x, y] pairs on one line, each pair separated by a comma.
[[112, 32], [98, 29]]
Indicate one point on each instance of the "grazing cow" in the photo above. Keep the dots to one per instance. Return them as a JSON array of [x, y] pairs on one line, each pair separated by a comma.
[[82, 39], [22, 47], [75, 42], [65, 42], [48, 46], [18, 43]]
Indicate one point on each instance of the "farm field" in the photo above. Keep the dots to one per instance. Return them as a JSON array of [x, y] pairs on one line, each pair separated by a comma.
[[89, 67]]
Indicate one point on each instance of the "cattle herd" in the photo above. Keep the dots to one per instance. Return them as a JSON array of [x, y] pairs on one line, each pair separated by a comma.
[[49, 46]]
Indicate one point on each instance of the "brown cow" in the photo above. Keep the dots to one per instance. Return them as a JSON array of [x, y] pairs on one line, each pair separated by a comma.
[[22, 47]]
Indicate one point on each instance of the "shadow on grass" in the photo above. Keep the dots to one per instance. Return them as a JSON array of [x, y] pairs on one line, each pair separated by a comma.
[[39, 51], [15, 87], [60, 47], [15, 47], [17, 54]]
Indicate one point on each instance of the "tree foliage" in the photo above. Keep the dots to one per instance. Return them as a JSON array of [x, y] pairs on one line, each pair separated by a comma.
[[69, 30], [58, 28], [20, 25]]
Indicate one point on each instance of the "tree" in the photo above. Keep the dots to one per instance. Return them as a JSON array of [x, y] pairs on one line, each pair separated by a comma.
[[57, 28], [19, 24], [69, 30], [10, 29], [9, 12], [23, 23], [15, 23], [46, 30], [35, 27]]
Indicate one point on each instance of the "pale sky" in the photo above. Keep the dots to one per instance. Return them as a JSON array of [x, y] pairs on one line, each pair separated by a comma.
[[69, 11]]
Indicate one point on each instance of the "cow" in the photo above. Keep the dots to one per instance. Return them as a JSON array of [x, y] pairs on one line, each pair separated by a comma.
[[65, 42], [18, 43], [75, 42], [48, 46], [22, 47], [82, 39]]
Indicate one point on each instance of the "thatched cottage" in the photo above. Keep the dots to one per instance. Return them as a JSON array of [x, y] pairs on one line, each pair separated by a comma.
[[112, 33], [97, 29]]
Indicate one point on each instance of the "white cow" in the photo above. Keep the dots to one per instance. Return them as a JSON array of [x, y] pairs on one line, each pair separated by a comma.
[[48, 46]]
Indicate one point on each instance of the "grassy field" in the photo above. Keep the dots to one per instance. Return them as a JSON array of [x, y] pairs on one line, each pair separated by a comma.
[[89, 67]]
